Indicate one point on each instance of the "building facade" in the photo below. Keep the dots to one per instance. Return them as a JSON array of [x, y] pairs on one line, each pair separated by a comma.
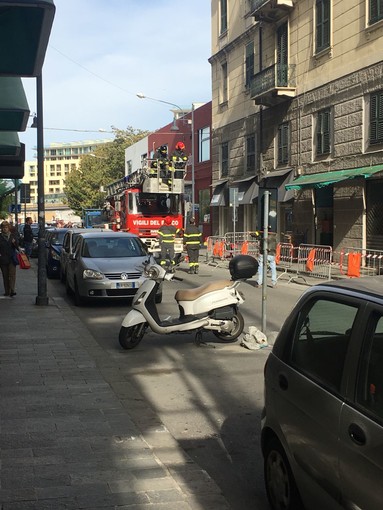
[[59, 160], [304, 78]]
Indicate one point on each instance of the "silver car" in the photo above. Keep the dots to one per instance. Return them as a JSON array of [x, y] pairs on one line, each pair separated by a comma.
[[322, 424], [106, 264]]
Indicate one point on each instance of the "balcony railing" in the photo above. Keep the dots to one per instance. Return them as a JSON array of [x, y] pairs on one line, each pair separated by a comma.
[[275, 81], [270, 10]]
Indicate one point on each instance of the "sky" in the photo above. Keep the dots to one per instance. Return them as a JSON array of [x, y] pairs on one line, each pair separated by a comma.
[[102, 53]]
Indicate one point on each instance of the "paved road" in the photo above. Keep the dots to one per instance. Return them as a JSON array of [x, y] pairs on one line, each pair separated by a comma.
[[210, 399]]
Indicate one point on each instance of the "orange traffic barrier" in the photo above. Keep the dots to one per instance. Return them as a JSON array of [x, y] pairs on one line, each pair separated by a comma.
[[278, 254], [310, 260], [245, 248], [353, 264]]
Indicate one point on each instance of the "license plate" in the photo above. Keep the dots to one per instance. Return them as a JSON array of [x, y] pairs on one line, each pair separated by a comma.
[[126, 285]]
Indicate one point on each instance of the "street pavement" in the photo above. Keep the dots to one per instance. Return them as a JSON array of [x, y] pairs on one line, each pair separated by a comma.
[[67, 440]]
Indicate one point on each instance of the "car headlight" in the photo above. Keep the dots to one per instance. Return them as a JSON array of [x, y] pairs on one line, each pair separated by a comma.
[[55, 255], [91, 274]]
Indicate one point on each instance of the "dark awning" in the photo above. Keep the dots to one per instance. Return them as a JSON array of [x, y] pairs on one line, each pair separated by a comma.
[[323, 179], [25, 27], [278, 180], [220, 192], [14, 110], [12, 167], [247, 190], [9, 143]]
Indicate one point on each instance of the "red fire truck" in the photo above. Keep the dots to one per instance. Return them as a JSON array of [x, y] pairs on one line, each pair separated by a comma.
[[139, 202]]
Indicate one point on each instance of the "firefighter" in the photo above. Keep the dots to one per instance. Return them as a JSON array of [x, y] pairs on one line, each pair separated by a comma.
[[161, 162], [166, 235], [192, 242], [179, 160]]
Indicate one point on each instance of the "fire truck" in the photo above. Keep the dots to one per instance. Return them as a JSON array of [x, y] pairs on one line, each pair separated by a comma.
[[139, 203]]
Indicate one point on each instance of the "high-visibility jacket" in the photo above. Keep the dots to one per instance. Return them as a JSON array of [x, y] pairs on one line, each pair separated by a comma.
[[192, 236], [167, 233]]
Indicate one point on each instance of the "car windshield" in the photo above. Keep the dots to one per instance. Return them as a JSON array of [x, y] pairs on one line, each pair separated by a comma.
[[57, 238], [113, 247]]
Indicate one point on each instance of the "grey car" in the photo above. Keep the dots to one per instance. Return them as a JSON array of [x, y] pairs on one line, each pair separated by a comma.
[[106, 264], [322, 423]]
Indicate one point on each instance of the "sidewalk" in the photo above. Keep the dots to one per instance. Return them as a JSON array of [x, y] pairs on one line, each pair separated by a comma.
[[68, 439]]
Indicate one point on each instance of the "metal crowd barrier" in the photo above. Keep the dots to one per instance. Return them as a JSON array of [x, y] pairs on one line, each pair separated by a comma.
[[284, 258], [313, 260], [357, 262]]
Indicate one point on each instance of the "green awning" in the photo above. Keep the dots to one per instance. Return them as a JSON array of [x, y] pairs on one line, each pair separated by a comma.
[[12, 167], [9, 144], [323, 179], [25, 27], [14, 110]]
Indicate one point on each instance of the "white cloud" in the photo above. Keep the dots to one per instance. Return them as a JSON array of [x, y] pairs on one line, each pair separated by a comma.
[[101, 54]]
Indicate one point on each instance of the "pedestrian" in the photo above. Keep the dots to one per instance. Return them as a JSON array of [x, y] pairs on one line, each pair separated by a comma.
[[28, 236], [192, 242], [166, 235], [8, 247], [271, 251]]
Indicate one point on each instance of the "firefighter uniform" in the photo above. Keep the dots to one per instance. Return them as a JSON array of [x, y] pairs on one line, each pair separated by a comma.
[[179, 160], [167, 234], [192, 242]]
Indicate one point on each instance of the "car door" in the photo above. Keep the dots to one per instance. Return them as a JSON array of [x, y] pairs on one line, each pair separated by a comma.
[[361, 420], [308, 395], [64, 253], [72, 262]]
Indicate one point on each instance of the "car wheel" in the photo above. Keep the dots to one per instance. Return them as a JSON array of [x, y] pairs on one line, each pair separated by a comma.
[[239, 324], [132, 336], [78, 300], [281, 488]]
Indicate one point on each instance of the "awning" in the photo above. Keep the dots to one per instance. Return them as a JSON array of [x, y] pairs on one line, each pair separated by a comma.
[[323, 179], [278, 180], [25, 27], [220, 192], [247, 190], [14, 110], [9, 143], [12, 167]]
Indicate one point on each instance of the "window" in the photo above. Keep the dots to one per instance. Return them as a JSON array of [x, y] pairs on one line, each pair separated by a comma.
[[204, 205], [370, 380], [249, 64], [223, 88], [321, 341], [323, 132], [223, 27], [376, 118], [375, 11], [129, 166], [250, 154], [204, 144], [322, 13], [224, 159], [283, 143]]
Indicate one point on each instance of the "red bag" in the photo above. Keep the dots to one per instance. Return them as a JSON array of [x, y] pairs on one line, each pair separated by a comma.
[[23, 261]]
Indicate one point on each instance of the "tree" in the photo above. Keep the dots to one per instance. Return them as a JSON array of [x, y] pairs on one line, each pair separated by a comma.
[[83, 186], [7, 197]]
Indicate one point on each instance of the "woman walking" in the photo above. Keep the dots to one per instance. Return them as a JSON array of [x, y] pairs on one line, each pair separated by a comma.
[[8, 245]]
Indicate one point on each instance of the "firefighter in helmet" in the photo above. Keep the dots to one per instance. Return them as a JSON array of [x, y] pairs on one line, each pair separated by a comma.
[[166, 235], [161, 161], [179, 160], [192, 243]]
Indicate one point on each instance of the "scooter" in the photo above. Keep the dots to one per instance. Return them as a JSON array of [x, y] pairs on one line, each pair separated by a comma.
[[210, 307]]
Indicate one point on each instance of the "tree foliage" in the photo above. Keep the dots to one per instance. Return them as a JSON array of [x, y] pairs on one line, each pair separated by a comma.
[[7, 197], [83, 186]]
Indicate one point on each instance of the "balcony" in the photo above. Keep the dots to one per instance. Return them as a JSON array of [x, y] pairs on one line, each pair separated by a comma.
[[270, 10], [274, 85]]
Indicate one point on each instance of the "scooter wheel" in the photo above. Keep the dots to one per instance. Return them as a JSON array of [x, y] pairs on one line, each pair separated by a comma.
[[239, 324], [131, 337]]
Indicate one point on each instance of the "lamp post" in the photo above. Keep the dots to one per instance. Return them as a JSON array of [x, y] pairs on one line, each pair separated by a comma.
[[42, 296], [140, 95]]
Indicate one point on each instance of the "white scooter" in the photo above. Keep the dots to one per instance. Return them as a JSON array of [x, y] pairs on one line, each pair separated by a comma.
[[210, 307]]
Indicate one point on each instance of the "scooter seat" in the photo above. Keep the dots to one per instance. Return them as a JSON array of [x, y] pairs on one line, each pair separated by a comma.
[[192, 294]]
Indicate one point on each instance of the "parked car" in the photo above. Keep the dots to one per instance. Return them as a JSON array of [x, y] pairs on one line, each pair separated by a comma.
[[106, 264], [67, 248], [53, 242], [322, 424], [35, 231]]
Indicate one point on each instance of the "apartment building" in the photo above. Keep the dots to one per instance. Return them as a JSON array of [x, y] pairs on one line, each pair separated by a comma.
[[298, 111], [59, 160]]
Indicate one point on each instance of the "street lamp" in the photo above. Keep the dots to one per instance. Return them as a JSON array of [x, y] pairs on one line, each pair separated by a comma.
[[174, 126]]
